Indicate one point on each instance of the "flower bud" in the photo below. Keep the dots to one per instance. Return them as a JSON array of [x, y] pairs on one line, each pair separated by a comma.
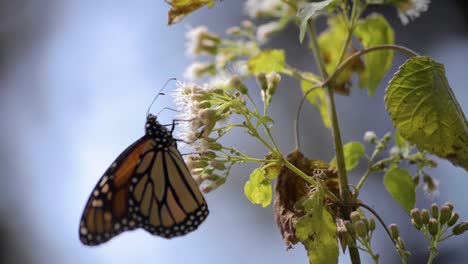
[[394, 231], [401, 244], [238, 85], [355, 216], [416, 217], [217, 164], [430, 184], [209, 155], [349, 226], [445, 214], [361, 229], [371, 224], [425, 216], [450, 205], [370, 136], [262, 81], [207, 116], [215, 146], [453, 220], [460, 228], [435, 210], [433, 227], [273, 79]]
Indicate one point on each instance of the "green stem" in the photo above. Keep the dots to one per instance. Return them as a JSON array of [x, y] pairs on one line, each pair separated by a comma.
[[360, 53], [345, 193], [291, 71], [299, 173], [432, 255]]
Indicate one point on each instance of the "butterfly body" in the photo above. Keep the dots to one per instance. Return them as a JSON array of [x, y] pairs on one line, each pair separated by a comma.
[[148, 186]]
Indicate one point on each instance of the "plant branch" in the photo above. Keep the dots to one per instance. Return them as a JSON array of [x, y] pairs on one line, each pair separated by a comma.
[[360, 53], [345, 194], [380, 220]]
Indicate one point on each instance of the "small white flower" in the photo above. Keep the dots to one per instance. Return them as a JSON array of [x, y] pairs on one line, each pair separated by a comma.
[[241, 68], [265, 31], [218, 82], [196, 70], [411, 9], [200, 40], [394, 151], [370, 136], [263, 8]]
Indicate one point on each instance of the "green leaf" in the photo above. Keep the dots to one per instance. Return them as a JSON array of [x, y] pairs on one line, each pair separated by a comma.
[[425, 111], [267, 61], [264, 120], [353, 151], [373, 31], [400, 141], [258, 189], [181, 8], [401, 187], [306, 12], [317, 231], [318, 99]]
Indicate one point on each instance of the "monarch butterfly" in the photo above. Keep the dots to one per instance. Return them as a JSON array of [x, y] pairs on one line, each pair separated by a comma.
[[147, 186]]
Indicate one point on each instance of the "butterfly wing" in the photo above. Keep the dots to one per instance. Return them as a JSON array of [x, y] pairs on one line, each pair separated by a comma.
[[106, 212], [145, 187], [165, 200]]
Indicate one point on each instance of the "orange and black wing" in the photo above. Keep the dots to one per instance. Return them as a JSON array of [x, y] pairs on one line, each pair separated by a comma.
[[145, 187], [165, 200], [106, 213]]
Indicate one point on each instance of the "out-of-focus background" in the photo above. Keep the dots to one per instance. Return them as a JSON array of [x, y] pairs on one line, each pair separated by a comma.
[[76, 78]]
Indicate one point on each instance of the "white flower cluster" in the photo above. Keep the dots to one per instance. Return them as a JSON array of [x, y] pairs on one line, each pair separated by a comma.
[[411, 9], [201, 41], [264, 8]]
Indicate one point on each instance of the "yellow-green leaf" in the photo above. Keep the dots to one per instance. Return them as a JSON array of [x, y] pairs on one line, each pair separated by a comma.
[[330, 42], [267, 61], [306, 12], [373, 31], [401, 187], [353, 151], [400, 141], [181, 8], [258, 189], [425, 111], [318, 99], [317, 231]]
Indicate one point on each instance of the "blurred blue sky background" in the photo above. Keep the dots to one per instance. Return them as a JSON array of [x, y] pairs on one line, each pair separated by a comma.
[[76, 78]]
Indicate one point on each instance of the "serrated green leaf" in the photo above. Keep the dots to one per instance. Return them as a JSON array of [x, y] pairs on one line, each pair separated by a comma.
[[317, 231], [330, 41], [267, 61], [372, 31], [306, 12], [401, 187], [425, 111], [318, 99], [258, 189], [353, 151]]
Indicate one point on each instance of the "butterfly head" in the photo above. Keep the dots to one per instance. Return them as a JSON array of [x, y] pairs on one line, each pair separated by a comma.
[[155, 129]]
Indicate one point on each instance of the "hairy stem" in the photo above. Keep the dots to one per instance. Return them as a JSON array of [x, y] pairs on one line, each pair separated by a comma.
[[345, 193]]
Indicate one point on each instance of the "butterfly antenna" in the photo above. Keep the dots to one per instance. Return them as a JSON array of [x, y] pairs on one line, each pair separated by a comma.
[[159, 93]]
